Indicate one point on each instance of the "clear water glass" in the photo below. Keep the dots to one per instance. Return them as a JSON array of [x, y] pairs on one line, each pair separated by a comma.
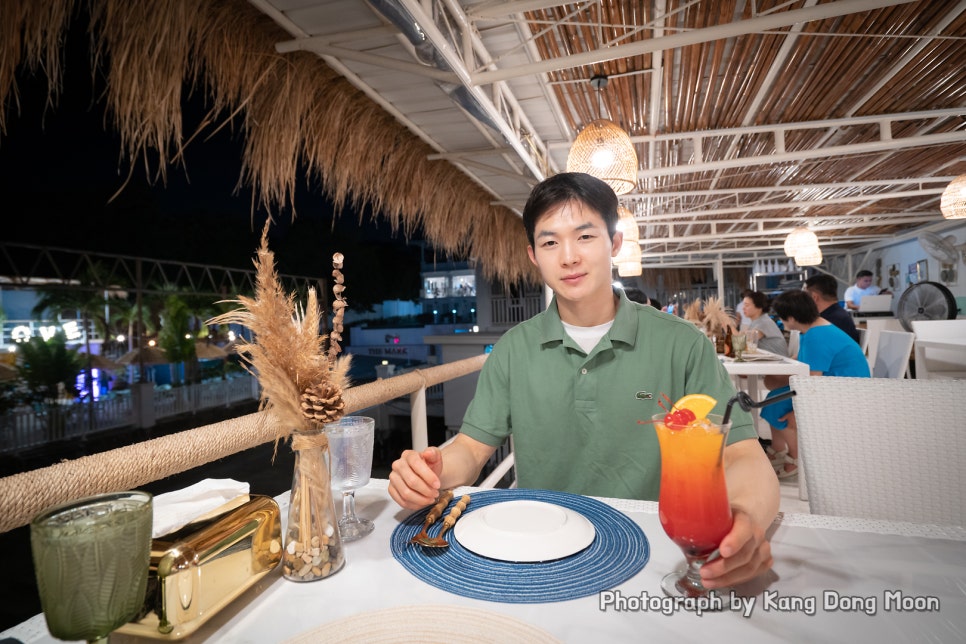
[[350, 463]]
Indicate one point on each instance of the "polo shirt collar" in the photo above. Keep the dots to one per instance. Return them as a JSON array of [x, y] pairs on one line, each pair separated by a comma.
[[623, 330]]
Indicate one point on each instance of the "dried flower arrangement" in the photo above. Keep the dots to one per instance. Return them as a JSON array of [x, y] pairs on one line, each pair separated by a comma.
[[717, 317], [302, 387], [693, 312]]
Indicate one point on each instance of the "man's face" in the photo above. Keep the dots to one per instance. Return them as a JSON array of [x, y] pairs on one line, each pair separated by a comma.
[[573, 251], [864, 282]]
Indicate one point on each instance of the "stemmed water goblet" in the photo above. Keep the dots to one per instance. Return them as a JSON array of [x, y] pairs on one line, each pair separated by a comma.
[[350, 457], [693, 504], [739, 342], [91, 559]]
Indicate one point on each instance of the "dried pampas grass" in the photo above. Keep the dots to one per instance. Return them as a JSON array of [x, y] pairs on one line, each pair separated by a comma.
[[693, 312], [718, 316], [288, 355]]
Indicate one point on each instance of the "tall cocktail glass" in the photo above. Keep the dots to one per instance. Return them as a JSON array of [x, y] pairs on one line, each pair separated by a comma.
[[693, 504], [350, 453], [91, 560]]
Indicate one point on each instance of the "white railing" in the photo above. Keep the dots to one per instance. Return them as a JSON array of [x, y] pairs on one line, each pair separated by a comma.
[[508, 311], [26, 428]]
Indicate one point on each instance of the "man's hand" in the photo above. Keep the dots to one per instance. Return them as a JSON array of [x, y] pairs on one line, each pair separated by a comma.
[[745, 554], [414, 481]]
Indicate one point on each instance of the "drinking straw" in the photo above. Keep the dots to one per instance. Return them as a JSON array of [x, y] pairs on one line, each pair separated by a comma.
[[745, 402]]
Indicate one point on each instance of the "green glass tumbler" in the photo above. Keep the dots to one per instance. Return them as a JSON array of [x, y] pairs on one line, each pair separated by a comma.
[[91, 560]]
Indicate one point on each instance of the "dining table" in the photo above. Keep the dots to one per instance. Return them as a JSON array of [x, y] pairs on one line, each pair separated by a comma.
[[748, 375], [920, 346], [834, 579]]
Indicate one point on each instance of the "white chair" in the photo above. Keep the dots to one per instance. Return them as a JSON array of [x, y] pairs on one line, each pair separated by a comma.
[[940, 363], [892, 355], [890, 449], [794, 339], [504, 460], [863, 339]]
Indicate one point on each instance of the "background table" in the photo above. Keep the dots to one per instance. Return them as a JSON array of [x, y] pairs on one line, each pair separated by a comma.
[[755, 370], [922, 345], [817, 560]]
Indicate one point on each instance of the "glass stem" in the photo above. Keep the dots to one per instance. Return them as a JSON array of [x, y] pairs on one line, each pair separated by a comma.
[[349, 505], [690, 583]]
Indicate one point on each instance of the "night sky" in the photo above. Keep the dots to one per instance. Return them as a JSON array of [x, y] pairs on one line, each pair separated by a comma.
[[59, 168]]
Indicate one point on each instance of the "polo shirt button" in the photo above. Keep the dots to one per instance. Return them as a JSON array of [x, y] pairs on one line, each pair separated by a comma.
[[583, 372]]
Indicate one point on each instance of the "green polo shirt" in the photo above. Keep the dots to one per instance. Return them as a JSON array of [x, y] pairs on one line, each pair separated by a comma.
[[573, 416]]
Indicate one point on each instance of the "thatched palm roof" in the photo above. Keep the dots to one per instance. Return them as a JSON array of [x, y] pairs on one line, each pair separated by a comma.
[[302, 122]]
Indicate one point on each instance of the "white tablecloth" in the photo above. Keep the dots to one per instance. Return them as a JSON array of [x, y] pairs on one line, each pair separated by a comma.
[[834, 580]]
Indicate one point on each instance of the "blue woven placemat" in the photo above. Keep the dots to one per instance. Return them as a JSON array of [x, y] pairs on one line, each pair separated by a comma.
[[619, 551]]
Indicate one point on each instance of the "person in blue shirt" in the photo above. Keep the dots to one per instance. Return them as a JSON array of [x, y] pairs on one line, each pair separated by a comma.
[[826, 349]]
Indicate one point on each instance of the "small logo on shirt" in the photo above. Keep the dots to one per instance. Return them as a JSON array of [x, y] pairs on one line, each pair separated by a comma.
[[644, 395]]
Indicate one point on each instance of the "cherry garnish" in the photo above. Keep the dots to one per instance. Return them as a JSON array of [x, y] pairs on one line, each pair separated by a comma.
[[679, 418]]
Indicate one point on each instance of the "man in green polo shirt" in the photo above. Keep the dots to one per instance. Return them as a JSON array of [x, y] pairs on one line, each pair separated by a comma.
[[570, 384]]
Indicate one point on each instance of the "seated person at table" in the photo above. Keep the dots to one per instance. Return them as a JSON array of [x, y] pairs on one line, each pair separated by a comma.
[[571, 384], [825, 291], [826, 349], [770, 338], [863, 286]]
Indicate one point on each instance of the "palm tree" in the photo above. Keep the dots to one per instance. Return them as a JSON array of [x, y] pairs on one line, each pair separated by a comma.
[[175, 336], [50, 370], [89, 299]]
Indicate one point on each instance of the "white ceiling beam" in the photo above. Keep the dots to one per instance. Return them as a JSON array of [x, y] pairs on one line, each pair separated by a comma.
[[818, 153], [343, 53], [814, 223], [454, 61], [717, 32], [491, 10]]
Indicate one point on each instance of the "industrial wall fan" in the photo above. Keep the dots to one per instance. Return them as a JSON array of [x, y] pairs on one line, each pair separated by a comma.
[[925, 301], [943, 250]]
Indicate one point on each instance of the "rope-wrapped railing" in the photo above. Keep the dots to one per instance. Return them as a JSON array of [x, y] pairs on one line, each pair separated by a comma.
[[25, 494]]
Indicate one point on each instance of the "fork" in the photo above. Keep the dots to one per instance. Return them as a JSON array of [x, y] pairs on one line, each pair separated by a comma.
[[438, 541], [437, 511]]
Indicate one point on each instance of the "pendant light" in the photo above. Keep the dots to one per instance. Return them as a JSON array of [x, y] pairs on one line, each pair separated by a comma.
[[628, 260], [627, 224], [953, 202], [800, 240], [604, 150], [810, 257]]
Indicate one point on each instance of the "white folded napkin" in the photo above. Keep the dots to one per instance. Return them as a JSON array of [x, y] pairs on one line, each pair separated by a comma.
[[174, 510]]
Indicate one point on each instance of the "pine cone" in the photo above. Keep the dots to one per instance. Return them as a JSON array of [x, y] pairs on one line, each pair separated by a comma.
[[322, 403]]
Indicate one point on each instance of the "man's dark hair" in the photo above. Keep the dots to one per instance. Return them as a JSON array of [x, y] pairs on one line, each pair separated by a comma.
[[795, 304], [823, 284], [574, 187], [759, 299], [635, 294], [863, 273]]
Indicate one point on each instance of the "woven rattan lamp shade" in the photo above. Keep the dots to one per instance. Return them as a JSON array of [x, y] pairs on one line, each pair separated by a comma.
[[628, 260], [811, 257], [953, 202], [627, 224], [799, 241], [605, 151]]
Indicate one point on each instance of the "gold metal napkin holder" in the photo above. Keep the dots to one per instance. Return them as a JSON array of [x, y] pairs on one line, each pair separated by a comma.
[[201, 568]]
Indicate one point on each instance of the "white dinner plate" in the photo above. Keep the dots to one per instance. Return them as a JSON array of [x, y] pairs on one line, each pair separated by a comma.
[[524, 531], [757, 357]]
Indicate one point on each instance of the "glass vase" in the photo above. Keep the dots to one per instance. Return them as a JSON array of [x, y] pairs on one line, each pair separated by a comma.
[[313, 547]]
